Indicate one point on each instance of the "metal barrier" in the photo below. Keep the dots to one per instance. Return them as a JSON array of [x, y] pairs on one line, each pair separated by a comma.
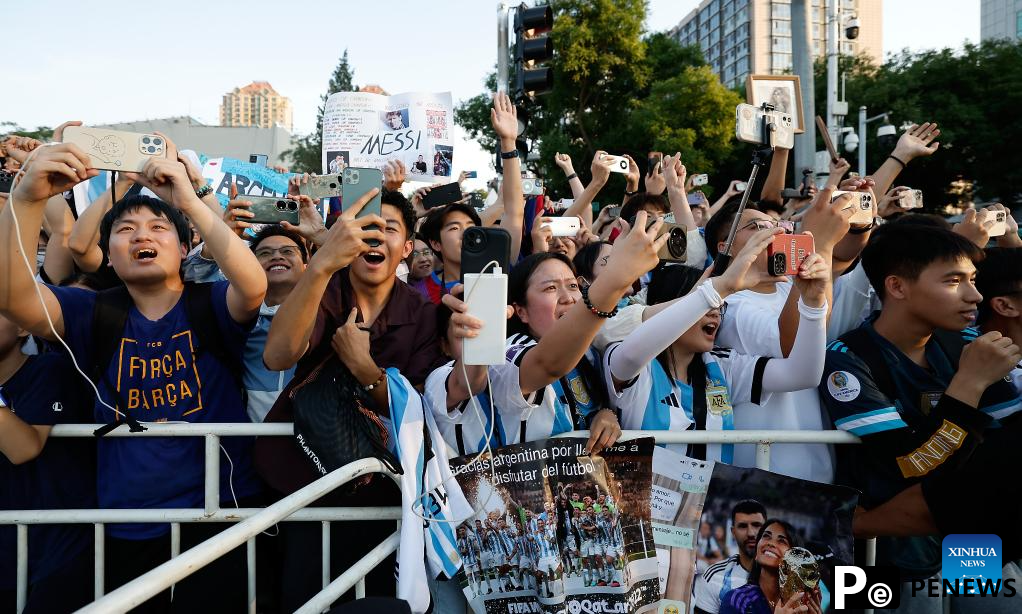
[[252, 521]]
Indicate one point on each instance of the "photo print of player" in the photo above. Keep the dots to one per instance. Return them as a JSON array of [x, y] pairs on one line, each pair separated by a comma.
[[395, 119], [556, 529], [792, 534], [337, 161], [443, 160]]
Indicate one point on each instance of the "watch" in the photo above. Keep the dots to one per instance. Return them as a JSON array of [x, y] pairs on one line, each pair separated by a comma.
[[507, 155]]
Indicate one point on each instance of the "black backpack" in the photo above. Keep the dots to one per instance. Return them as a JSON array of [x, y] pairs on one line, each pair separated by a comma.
[[109, 317]]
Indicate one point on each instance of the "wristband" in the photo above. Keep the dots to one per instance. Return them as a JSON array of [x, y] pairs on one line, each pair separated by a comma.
[[204, 191], [713, 298], [812, 313], [898, 160], [572, 176], [627, 193], [507, 155], [596, 312], [379, 382]]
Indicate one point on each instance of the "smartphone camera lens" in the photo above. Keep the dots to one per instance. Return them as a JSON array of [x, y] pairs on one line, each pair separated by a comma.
[[157, 141], [676, 243], [151, 149], [474, 239], [292, 205], [281, 205], [145, 140]]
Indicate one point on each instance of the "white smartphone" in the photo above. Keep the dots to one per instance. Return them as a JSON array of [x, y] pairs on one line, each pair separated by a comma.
[[486, 297], [861, 204], [741, 186], [564, 226], [999, 216], [911, 199], [700, 179], [116, 150], [619, 163]]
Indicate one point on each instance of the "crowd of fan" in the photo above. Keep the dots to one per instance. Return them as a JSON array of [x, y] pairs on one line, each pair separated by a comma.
[[899, 331]]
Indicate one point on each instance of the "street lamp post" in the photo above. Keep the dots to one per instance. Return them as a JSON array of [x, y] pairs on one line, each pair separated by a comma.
[[833, 47], [503, 52], [885, 131]]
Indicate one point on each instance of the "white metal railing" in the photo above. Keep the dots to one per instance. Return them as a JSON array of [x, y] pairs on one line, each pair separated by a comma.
[[252, 521]]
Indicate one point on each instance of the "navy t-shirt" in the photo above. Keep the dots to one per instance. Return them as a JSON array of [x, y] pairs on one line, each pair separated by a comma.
[[47, 390], [152, 377]]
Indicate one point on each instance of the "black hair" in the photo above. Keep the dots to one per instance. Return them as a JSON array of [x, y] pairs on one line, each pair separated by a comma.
[[670, 282], [793, 542], [769, 205], [638, 201], [273, 230], [408, 217], [719, 224], [748, 506], [585, 259], [998, 274], [905, 249], [929, 220], [433, 225], [518, 284], [135, 202]]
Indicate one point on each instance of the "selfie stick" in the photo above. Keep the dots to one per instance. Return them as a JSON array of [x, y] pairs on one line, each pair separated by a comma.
[[759, 157]]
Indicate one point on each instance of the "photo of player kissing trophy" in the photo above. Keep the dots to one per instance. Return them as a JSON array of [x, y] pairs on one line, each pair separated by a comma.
[[557, 530]]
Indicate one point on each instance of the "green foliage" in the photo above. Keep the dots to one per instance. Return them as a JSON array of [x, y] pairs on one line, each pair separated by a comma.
[[618, 91], [973, 94], [306, 155], [41, 133]]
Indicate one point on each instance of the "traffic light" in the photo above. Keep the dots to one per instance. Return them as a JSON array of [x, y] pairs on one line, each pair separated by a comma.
[[532, 47]]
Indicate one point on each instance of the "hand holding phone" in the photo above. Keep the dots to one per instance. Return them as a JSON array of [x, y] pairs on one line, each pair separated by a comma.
[[356, 183], [786, 253], [273, 210], [618, 164], [700, 180], [564, 226], [116, 150]]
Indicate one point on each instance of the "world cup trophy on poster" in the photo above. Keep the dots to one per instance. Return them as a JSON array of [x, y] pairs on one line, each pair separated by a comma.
[[798, 573]]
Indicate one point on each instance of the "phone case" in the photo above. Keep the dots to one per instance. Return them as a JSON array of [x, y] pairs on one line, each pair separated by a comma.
[[911, 199], [6, 181], [861, 205], [1000, 225], [358, 181], [482, 245], [322, 186], [442, 195], [115, 150], [486, 297], [532, 186], [564, 226], [700, 180], [273, 210], [614, 211], [749, 127], [786, 253], [619, 163], [677, 244]]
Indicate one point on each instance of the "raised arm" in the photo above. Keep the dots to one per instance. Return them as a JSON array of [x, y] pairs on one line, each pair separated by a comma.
[[292, 326], [917, 142], [774, 183], [504, 117], [583, 205], [53, 170], [563, 162], [675, 174], [84, 238], [560, 349]]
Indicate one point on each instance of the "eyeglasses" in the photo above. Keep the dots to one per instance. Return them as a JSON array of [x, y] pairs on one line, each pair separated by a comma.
[[787, 225], [425, 253], [267, 252]]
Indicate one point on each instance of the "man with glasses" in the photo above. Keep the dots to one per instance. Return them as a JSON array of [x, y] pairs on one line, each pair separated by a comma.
[[282, 255], [419, 263]]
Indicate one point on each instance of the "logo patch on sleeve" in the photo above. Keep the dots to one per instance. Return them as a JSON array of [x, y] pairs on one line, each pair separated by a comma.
[[843, 386]]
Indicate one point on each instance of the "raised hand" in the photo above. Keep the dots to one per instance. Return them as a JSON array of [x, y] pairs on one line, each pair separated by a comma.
[[812, 279], [310, 222], [633, 174], [394, 174], [346, 239], [237, 211], [743, 273], [541, 235], [563, 161], [600, 168], [838, 168], [54, 169], [675, 174], [635, 254], [891, 202], [917, 142], [975, 227], [656, 183], [295, 183], [828, 221], [504, 117], [58, 132], [18, 147]]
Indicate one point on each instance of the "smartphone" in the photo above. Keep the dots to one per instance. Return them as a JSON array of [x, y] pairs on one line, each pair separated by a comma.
[[741, 186], [696, 199], [999, 216], [116, 150], [677, 243], [614, 211], [652, 159], [321, 186], [786, 253], [481, 245], [356, 183], [564, 226], [532, 186], [861, 205], [471, 174], [6, 181], [702, 179], [563, 204], [829, 144], [273, 210], [911, 199], [619, 164], [749, 127], [442, 195], [260, 159]]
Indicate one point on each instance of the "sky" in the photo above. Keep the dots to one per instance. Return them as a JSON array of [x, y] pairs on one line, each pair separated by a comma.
[[128, 61]]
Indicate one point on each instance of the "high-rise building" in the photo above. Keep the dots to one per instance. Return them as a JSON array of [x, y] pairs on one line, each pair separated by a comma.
[[256, 104], [1000, 19], [742, 37]]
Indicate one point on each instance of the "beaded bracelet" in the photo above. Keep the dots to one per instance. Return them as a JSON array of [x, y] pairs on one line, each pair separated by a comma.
[[594, 310], [379, 382]]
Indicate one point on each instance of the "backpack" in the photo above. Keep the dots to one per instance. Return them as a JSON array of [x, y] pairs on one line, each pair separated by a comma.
[[110, 316]]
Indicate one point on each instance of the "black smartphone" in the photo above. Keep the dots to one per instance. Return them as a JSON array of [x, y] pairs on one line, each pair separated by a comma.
[[6, 180], [260, 159], [442, 195], [481, 245]]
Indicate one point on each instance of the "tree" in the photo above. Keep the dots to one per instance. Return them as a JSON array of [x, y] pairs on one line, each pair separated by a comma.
[[973, 94], [619, 91], [41, 133], [306, 155]]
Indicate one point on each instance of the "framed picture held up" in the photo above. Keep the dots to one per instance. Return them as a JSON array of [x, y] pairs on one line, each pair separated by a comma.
[[782, 91]]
